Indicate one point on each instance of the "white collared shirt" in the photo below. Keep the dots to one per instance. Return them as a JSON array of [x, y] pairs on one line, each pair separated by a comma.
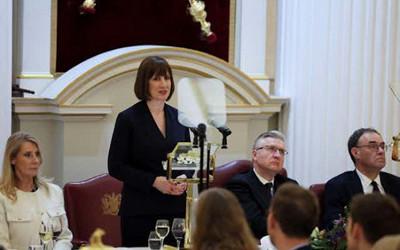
[[366, 183]]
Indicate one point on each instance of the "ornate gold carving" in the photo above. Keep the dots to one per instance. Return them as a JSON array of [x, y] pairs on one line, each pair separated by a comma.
[[96, 241], [111, 203]]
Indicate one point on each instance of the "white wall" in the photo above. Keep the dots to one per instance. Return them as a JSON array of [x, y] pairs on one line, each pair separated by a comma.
[[335, 61], [6, 23]]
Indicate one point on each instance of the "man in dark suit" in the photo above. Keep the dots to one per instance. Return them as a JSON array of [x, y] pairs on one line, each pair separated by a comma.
[[255, 188], [367, 151], [293, 215], [372, 216]]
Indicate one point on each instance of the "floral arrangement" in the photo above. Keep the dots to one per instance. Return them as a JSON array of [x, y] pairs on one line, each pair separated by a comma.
[[333, 239]]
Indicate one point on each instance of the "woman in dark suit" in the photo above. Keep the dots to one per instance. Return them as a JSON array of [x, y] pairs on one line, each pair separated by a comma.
[[143, 136]]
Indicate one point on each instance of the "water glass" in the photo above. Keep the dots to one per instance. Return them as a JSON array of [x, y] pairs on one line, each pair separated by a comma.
[[162, 230], [154, 241]]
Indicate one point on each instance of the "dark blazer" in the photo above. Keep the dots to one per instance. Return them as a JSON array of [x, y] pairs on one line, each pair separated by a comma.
[[136, 151], [252, 196], [340, 189]]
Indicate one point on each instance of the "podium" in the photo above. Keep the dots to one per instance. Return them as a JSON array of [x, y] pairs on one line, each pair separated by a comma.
[[187, 157]]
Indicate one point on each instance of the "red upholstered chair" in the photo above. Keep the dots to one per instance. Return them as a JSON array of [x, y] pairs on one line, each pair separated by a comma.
[[91, 204], [319, 191], [223, 173]]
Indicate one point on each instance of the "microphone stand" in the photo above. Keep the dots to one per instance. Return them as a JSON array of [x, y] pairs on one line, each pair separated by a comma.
[[195, 137], [201, 130]]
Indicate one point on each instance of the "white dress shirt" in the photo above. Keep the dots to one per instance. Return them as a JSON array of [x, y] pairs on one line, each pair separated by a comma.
[[366, 183]]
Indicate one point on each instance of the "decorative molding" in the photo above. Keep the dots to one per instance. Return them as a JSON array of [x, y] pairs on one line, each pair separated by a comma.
[[232, 32], [68, 88], [53, 37], [261, 77], [35, 76], [38, 108]]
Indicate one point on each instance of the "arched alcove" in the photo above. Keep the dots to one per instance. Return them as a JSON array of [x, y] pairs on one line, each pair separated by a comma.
[[74, 116]]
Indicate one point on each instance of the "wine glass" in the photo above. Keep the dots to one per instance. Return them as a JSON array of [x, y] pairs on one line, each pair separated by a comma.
[[34, 243], [56, 227], [45, 233], [178, 230], [162, 230], [154, 241]]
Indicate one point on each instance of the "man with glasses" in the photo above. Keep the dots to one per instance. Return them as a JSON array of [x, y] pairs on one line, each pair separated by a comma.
[[367, 151], [255, 188]]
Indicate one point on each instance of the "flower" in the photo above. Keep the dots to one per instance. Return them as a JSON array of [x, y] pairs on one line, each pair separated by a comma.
[[333, 239]]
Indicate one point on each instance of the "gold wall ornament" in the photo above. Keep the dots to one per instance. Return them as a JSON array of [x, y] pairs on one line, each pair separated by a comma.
[[196, 9], [96, 241], [396, 148], [395, 88], [110, 203], [88, 7]]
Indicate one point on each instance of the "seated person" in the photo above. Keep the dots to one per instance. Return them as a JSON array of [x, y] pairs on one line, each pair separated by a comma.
[[371, 217], [27, 200], [293, 215], [367, 151], [220, 223], [255, 188]]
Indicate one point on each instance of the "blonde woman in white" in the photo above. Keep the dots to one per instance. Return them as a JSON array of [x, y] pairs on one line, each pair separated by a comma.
[[29, 203]]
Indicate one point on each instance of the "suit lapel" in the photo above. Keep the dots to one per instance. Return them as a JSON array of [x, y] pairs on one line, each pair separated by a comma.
[[386, 184], [354, 184], [257, 189]]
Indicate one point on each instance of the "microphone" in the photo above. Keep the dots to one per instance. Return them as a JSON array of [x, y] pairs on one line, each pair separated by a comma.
[[224, 130], [201, 129]]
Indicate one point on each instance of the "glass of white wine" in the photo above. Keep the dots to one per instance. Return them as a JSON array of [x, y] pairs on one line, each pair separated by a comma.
[[154, 241], [56, 227], [45, 232], [178, 229], [162, 230]]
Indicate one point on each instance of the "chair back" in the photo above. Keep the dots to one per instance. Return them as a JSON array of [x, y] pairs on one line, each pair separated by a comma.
[[223, 173], [94, 203], [319, 191]]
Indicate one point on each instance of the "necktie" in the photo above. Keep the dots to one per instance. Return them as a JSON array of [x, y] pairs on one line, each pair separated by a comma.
[[375, 187], [268, 187]]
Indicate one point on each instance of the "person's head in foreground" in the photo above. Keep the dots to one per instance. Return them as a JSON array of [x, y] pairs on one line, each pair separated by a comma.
[[293, 215], [371, 217], [220, 223]]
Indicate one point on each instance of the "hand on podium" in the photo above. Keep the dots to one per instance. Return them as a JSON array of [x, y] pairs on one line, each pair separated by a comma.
[[168, 187]]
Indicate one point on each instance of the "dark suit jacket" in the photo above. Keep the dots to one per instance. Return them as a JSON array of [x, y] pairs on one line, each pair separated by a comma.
[[252, 196], [136, 151], [340, 189]]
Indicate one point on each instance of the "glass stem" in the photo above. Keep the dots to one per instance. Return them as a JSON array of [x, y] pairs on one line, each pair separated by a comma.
[[162, 243], [178, 245]]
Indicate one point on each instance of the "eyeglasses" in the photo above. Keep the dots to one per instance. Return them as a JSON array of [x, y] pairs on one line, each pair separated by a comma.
[[273, 149], [376, 146]]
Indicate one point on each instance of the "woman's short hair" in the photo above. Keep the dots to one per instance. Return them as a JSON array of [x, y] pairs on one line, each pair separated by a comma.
[[8, 178], [149, 67], [221, 223]]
